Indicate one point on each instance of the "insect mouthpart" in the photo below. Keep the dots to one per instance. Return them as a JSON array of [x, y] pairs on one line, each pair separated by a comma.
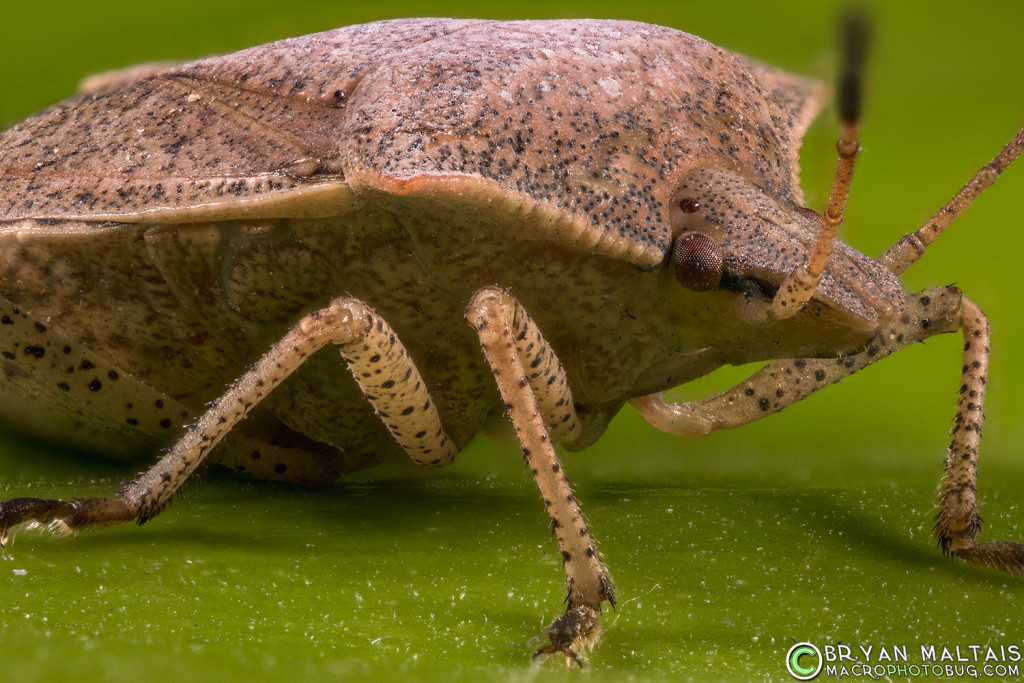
[[749, 286]]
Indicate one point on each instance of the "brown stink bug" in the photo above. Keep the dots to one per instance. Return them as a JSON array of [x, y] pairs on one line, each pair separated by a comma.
[[612, 207]]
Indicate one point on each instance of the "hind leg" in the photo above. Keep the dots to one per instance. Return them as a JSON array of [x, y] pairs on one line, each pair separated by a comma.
[[379, 363]]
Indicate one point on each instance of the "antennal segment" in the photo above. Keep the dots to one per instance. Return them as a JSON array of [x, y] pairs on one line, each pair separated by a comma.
[[912, 246], [796, 291]]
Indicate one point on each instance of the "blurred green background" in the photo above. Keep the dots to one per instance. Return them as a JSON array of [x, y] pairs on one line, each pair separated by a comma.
[[811, 525]]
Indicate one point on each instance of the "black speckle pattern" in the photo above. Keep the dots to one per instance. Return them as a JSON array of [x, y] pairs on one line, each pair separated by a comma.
[[591, 121]]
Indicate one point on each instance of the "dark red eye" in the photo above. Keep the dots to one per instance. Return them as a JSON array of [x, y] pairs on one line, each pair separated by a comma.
[[689, 205], [697, 262]]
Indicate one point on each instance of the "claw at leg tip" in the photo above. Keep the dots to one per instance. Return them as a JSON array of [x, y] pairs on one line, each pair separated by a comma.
[[570, 655]]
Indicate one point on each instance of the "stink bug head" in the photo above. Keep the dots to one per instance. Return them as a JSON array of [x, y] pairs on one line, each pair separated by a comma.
[[759, 239]]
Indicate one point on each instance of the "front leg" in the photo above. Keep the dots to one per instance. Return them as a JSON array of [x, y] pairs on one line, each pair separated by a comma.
[[536, 394], [957, 523], [781, 383]]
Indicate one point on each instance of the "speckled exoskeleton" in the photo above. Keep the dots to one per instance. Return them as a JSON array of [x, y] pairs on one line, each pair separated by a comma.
[[612, 207]]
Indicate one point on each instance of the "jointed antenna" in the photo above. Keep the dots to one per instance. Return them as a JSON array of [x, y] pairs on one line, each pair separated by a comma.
[[796, 291], [912, 246]]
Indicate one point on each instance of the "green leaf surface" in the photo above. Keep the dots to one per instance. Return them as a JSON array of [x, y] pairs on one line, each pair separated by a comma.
[[814, 525]]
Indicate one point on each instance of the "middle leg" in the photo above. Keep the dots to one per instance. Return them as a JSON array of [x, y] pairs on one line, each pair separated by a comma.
[[536, 394]]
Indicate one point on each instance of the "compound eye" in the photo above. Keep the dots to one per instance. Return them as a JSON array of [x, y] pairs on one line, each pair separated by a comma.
[[697, 262]]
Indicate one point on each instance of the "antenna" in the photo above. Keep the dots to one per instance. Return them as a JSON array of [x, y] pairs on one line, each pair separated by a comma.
[[912, 246], [796, 291]]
